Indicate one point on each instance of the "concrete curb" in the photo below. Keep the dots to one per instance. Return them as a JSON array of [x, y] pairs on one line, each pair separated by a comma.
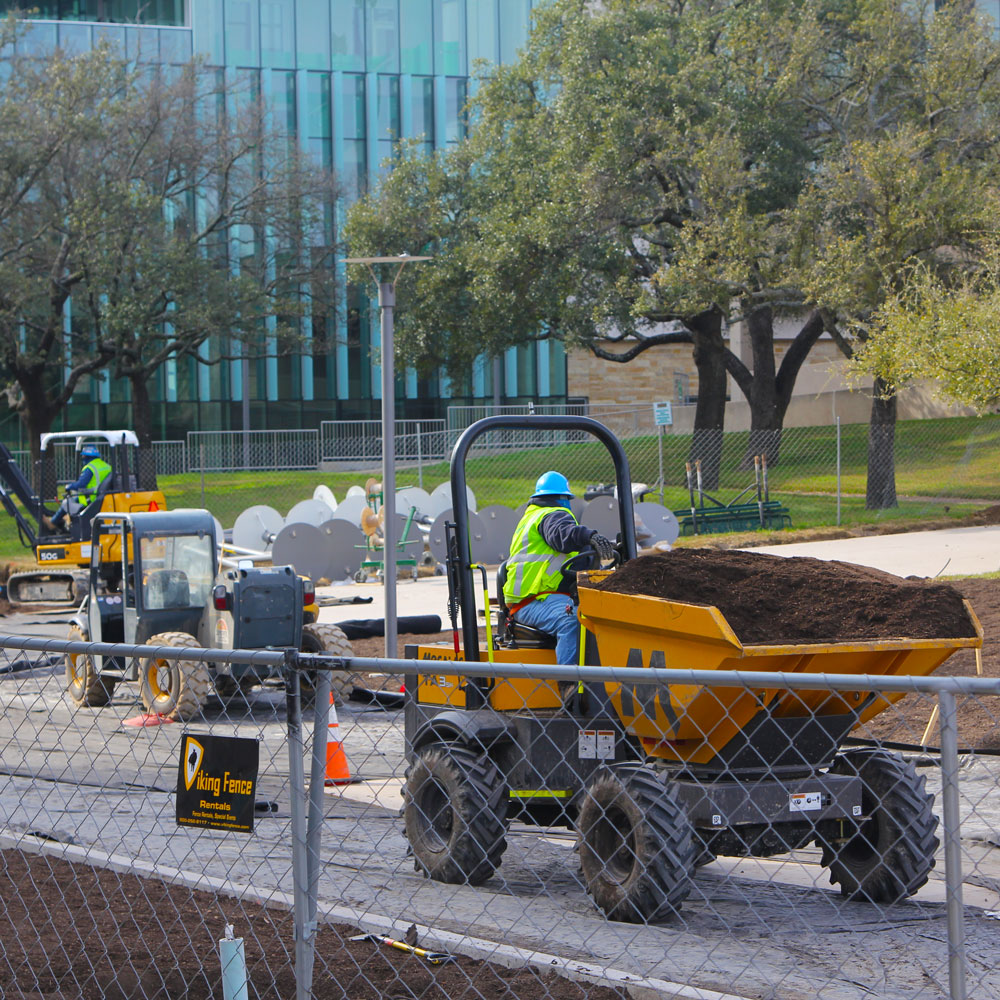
[[639, 987]]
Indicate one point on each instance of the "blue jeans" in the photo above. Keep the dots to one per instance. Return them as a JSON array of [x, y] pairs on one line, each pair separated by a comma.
[[555, 614]]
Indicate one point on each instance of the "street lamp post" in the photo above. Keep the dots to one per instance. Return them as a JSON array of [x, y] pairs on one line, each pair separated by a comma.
[[387, 303]]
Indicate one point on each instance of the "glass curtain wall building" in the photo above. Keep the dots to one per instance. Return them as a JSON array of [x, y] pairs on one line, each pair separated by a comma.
[[349, 77]]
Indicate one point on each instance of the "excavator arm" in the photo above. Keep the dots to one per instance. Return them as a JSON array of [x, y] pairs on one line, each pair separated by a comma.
[[14, 484]]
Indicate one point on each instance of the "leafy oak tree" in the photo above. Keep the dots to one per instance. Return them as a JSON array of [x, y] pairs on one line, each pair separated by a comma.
[[167, 212], [639, 176], [899, 208]]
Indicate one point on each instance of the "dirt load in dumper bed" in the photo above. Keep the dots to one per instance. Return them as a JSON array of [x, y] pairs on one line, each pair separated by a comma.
[[777, 600]]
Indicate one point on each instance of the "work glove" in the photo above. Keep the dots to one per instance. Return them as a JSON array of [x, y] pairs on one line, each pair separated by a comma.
[[603, 546]]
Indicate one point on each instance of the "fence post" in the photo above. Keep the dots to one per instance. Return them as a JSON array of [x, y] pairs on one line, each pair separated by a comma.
[[317, 780], [304, 932], [659, 442], [952, 845], [838, 472], [202, 450], [420, 459]]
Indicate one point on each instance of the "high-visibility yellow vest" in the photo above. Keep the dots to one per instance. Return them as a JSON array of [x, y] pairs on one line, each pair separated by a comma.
[[99, 471], [533, 567]]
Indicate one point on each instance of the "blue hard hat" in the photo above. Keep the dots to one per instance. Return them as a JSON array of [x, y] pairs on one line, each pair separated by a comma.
[[90, 451], [552, 484]]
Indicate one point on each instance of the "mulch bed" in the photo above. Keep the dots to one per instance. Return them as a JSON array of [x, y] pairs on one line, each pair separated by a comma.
[[71, 931], [774, 600]]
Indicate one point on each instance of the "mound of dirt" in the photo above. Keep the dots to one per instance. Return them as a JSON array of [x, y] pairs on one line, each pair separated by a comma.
[[989, 515], [770, 600]]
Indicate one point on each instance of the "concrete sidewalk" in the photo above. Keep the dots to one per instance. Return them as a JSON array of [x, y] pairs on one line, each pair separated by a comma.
[[948, 552]]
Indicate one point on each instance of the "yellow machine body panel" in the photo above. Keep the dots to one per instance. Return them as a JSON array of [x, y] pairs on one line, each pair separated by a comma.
[[77, 554], [691, 723], [507, 695]]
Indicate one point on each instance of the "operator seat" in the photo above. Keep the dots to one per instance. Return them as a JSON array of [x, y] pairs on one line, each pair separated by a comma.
[[512, 634], [167, 588]]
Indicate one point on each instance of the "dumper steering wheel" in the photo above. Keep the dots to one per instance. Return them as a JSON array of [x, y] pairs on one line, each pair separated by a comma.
[[587, 558]]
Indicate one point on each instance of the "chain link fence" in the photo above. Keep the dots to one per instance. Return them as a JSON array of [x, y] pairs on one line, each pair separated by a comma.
[[619, 874]]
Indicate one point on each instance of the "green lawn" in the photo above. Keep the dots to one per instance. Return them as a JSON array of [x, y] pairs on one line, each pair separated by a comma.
[[942, 466]]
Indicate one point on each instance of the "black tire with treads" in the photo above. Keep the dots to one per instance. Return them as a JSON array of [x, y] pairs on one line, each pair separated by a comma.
[[891, 854], [455, 814], [637, 850]]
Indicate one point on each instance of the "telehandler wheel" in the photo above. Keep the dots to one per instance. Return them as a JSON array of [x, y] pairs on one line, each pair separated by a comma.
[[455, 813], [637, 851], [318, 638], [890, 856], [84, 684], [177, 689]]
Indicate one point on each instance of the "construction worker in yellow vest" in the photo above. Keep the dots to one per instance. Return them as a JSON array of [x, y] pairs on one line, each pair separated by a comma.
[[546, 538], [84, 490]]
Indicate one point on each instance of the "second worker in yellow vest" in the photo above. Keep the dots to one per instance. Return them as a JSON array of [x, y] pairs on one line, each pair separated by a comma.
[[85, 488], [546, 538]]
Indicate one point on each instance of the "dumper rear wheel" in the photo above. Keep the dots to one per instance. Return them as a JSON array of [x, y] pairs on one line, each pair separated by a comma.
[[891, 854], [173, 687], [455, 812], [636, 845]]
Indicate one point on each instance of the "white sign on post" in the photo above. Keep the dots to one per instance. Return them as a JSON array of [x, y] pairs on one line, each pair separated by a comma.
[[663, 414]]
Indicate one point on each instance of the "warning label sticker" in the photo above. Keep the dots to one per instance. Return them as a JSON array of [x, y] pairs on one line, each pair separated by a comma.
[[805, 801], [217, 782], [596, 744]]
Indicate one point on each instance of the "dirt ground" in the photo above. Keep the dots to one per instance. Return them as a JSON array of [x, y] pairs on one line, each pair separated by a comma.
[[72, 932]]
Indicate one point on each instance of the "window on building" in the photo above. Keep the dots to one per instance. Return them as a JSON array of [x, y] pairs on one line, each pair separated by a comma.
[[358, 360], [515, 20], [416, 36], [168, 12], [454, 109], [483, 35], [318, 119], [348, 34], [312, 34], [388, 118], [242, 34], [354, 169], [277, 33], [422, 110], [382, 35], [449, 29]]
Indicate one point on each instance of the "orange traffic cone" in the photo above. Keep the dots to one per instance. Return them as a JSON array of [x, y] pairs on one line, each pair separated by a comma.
[[337, 770]]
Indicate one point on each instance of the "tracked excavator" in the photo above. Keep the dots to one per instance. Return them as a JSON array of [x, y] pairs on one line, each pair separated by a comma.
[[63, 555]]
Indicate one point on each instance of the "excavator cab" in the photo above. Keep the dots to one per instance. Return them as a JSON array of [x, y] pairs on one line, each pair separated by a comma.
[[64, 555]]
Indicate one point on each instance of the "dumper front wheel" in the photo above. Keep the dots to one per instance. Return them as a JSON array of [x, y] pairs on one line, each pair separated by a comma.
[[636, 845], [889, 856], [455, 814]]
